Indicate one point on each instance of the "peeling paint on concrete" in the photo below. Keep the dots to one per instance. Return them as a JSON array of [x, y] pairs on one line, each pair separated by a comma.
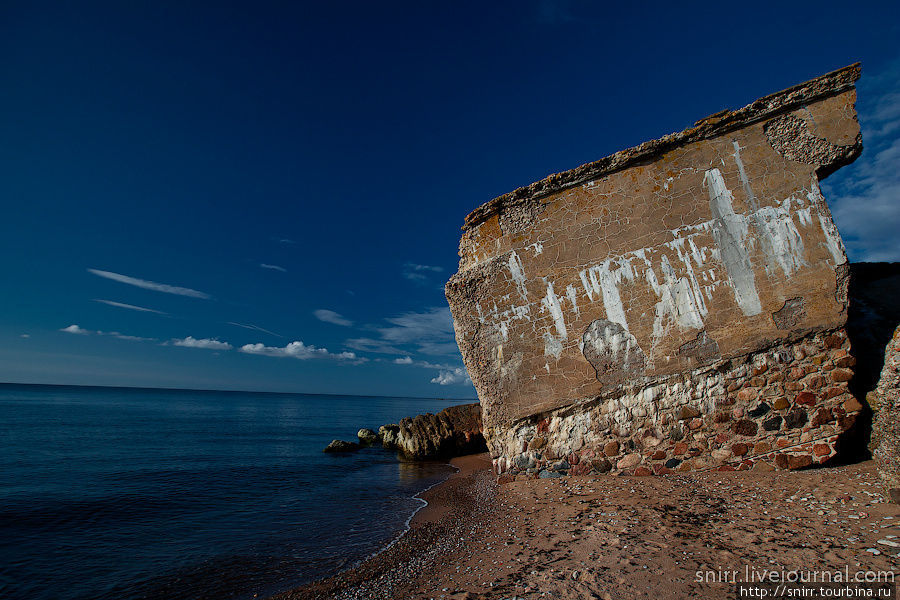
[[730, 231]]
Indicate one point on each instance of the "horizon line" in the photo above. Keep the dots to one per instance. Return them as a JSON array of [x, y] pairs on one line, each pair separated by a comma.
[[175, 389]]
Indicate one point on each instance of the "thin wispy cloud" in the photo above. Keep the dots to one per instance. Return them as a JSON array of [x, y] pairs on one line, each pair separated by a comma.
[[329, 316], [429, 332], [76, 330], [286, 241], [82, 331], [130, 306], [865, 196], [252, 327], [298, 350], [151, 285], [131, 338], [365, 344], [272, 267], [204, 343], [420, 273], [25, 336]]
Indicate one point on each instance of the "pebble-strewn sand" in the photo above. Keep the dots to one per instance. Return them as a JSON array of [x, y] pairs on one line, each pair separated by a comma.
[[626, 537]]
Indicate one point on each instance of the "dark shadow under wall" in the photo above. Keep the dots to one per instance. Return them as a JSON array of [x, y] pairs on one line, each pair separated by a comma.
[[873, 315]]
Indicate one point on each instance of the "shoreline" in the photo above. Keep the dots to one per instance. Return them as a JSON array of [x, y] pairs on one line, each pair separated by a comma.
[[601, 536], [432, 532]]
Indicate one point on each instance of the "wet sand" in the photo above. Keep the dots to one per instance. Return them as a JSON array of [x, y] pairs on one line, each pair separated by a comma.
[[626, 537]]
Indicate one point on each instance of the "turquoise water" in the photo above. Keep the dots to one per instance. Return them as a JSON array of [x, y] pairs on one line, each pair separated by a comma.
[[134, 493]]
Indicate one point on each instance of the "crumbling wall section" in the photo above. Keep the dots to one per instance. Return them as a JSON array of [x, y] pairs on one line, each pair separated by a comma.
[[610, 298]]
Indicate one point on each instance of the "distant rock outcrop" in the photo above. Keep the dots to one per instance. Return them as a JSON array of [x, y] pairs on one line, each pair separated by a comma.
[[455, 431], [886, 431]]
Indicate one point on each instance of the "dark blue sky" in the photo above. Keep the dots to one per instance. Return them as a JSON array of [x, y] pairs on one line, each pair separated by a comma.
[[284, 183]]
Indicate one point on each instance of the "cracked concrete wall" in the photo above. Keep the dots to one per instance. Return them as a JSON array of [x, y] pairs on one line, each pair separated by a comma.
[[685, 254]]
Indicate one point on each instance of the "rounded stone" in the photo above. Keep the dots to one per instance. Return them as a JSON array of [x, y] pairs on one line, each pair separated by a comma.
[[628, 461]]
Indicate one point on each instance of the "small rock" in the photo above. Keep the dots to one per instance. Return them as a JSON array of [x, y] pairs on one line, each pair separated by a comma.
[[341, 446], [367, 437]]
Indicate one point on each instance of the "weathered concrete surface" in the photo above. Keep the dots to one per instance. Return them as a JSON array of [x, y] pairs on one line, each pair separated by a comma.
[[886, 431], [640, 299]]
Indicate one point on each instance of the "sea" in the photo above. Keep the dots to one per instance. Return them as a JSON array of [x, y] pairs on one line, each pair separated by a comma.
[[121, 493]]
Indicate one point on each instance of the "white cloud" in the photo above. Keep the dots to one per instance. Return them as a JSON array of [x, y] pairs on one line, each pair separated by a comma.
[[329, 316], [300, 351], [206, 343], [452, 377], [76, 329], [129, 306], [151, 285], [447, 374], [252, 327], [865, 196], [273, 267], [25, 335]]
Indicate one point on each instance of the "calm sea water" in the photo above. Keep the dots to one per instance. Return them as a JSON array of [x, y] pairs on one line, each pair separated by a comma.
[[131, 493]]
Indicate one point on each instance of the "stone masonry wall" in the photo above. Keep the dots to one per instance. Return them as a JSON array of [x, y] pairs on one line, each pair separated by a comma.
[[680, 303]]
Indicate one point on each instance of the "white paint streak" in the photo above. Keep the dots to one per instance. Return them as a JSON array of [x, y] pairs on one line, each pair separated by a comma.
[[571, 295], [832, 238], [730, 233], [551, 303], [518, 274]]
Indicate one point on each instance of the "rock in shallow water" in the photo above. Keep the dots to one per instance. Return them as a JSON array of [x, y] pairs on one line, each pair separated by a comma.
[[367, 437], [341, 446]]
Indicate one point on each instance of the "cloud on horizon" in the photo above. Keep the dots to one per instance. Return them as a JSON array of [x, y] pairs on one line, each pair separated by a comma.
[[329, 316], [151, 285], [452, 377], [204, 343], [298, 350], [130, 306], [447, 374]]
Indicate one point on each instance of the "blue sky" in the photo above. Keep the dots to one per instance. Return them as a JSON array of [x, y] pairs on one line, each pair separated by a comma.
[[268, 196]]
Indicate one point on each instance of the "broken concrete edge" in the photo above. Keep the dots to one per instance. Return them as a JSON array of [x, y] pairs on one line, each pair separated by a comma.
[[825, 86]]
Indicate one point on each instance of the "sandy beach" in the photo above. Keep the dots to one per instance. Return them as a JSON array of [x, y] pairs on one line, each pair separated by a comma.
[[673, 536]]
